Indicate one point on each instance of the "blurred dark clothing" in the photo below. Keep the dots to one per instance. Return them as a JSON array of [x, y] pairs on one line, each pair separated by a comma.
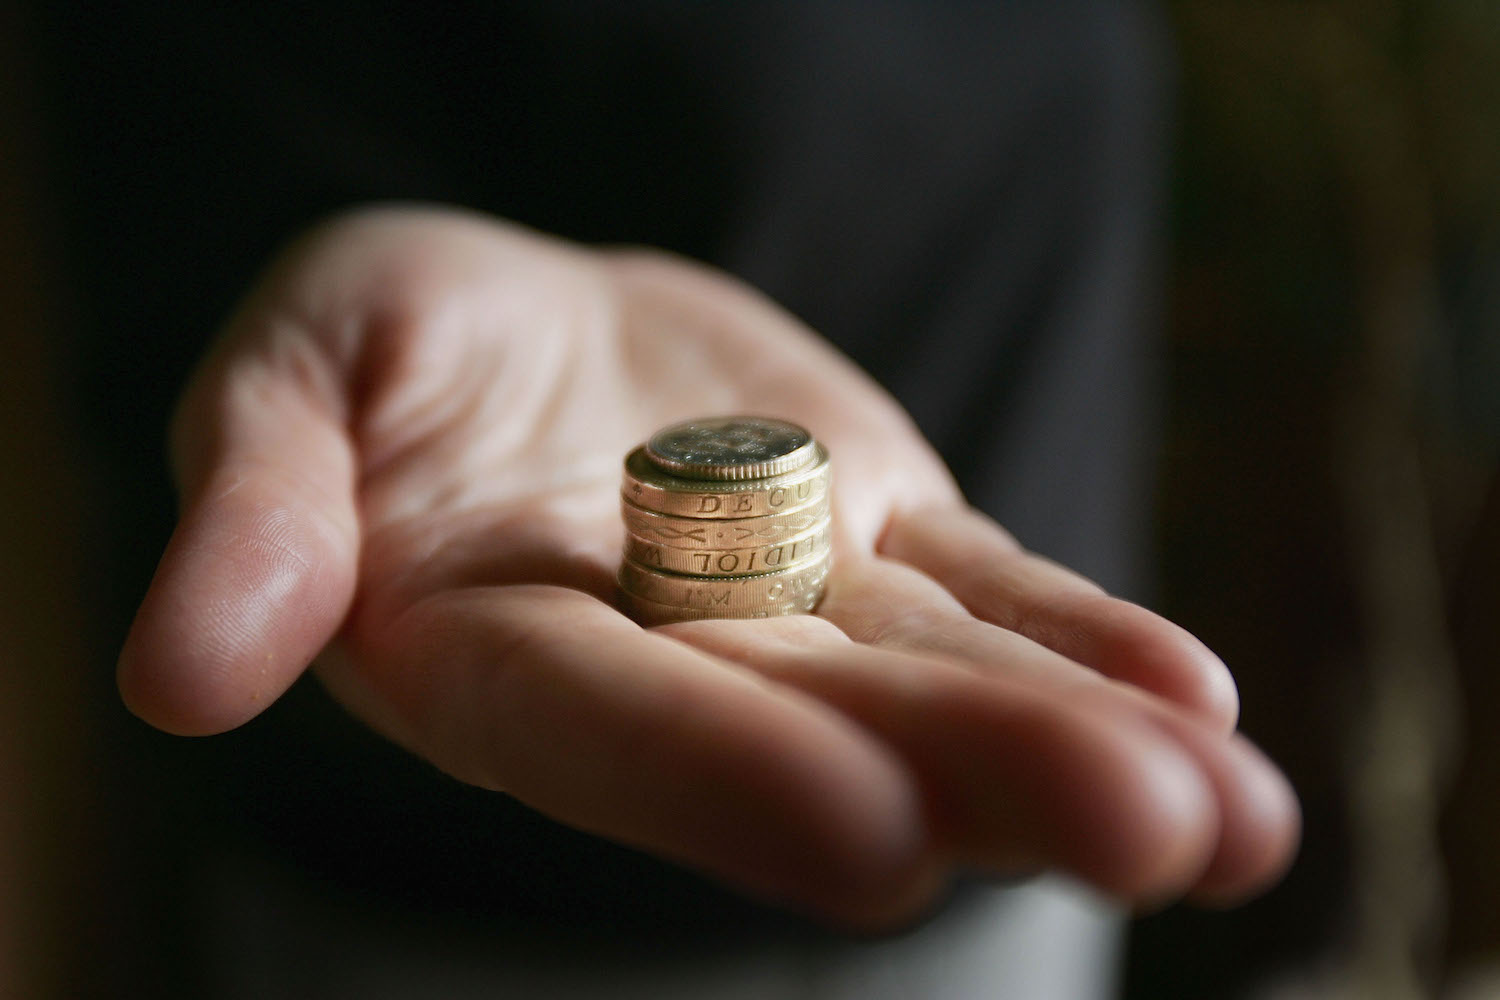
[[961, 196]]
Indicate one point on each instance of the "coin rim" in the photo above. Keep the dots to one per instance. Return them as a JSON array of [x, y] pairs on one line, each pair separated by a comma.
[[825, 526], [644, 486], [823, 563], [657, 613], [627, 509]]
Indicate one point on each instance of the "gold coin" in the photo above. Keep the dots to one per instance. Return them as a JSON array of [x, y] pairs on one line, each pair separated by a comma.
[[783, 554], [648, 487], [738, 447], [707, 533], [762, 592], [648, 612]]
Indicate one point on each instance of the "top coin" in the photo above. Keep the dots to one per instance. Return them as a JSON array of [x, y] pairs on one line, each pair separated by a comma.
[[731, 448]]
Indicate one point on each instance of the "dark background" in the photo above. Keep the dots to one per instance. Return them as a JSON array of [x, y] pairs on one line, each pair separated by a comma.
[[1328, 515]]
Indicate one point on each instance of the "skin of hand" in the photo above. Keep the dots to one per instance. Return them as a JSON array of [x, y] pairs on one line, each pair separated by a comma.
[[402, 461]]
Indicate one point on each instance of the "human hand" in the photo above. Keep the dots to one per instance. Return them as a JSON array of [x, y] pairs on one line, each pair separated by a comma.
[[404, 455]]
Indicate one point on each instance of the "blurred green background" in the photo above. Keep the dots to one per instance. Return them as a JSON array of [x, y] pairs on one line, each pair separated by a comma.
[[1329, 516]]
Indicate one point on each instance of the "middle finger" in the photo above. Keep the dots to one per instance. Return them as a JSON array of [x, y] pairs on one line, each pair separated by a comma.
[[1260, 817]]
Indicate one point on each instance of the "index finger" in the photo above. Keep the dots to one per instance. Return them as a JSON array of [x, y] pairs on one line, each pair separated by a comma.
[[1000, 582]]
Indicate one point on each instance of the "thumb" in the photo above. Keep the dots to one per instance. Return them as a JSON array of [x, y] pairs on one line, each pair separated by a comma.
[[259, 573]]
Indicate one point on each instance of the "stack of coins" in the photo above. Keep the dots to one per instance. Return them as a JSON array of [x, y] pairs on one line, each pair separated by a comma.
[[725, 517]]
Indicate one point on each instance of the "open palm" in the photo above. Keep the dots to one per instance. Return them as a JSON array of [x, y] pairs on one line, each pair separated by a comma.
[[402, 460]]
